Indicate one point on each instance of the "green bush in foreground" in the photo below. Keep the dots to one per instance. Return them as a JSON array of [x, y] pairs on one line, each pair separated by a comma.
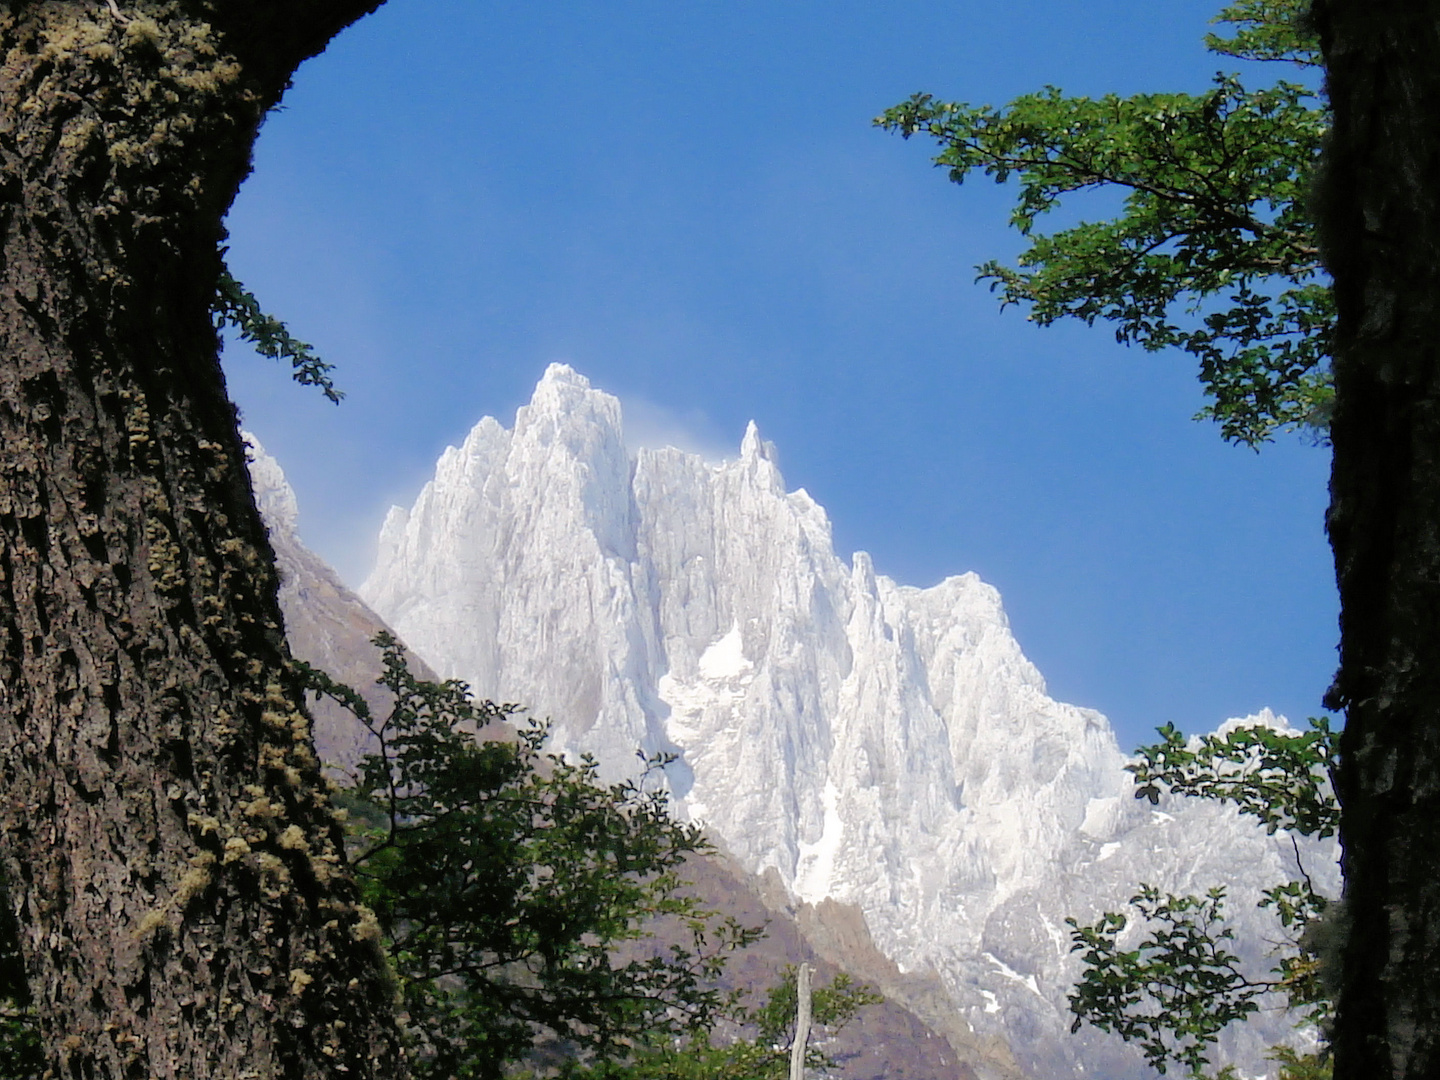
[[504, 878]]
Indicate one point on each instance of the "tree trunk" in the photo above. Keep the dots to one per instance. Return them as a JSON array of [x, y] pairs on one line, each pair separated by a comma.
[[802, 1023], [167, 840], [1379, 208]]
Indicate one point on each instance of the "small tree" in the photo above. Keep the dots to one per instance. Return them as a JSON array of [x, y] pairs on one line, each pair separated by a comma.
[[762, 1053], [503, 878]]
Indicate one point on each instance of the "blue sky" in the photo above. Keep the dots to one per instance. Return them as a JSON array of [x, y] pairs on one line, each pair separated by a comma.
[[688, 203]]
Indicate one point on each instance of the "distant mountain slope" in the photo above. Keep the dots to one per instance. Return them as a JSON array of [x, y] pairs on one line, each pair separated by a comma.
[[881, 746], [330, 627], [327, 625]]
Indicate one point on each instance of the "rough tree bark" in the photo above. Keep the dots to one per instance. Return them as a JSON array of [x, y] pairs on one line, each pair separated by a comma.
[[167, 841], [1379, 205]]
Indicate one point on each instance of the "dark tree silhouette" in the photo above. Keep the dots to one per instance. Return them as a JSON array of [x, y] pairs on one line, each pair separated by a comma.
[[1379, 209]]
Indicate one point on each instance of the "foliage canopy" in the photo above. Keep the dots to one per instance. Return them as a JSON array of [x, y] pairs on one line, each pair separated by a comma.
[[1214, 251]]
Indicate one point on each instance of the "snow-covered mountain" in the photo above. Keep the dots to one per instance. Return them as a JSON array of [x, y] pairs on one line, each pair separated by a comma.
[[331, 628], [876, 744]]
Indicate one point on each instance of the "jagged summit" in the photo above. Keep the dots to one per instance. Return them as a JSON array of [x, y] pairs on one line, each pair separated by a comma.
[[330, 628], [563, 373], [753, 447], [860, 741]]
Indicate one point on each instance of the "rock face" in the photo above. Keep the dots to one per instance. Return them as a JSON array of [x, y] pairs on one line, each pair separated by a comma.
[[868, 743]]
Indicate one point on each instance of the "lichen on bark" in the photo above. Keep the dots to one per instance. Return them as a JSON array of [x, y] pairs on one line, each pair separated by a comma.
[[166, 836]]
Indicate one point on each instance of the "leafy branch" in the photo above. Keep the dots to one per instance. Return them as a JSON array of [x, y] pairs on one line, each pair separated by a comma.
[[237, 306], [1181, 986], [1214, 251], [1282, 780], [1177, 991]]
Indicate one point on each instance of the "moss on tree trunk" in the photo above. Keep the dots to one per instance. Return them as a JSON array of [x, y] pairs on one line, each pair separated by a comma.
[[167, 840]]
